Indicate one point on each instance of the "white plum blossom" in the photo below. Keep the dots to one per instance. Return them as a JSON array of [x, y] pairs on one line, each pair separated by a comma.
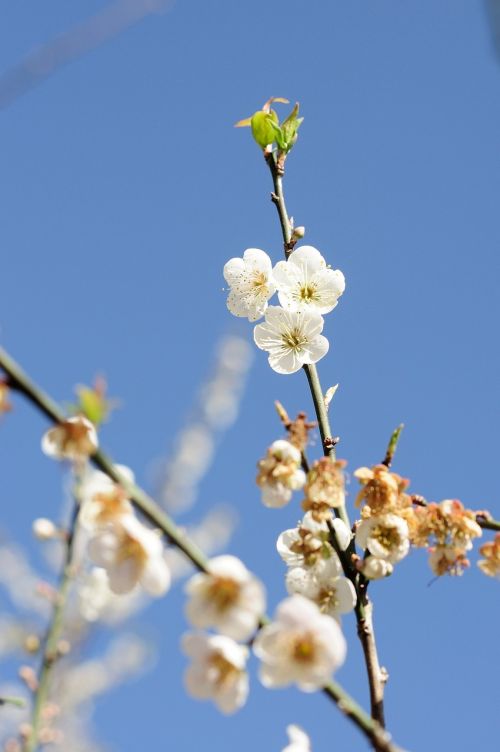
[[299, 740], [342, 533], [305, 281], [307, 544], [301, 646], [333, 594], [376, 569], [251, 284], [73, 439], [385, 536], [131, 554], [280, 473], [93, 594], [292, 338], [228, 598], [217, 671], [103, 501]]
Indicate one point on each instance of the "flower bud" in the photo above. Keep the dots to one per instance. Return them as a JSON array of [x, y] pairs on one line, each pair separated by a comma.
[[44, 529]]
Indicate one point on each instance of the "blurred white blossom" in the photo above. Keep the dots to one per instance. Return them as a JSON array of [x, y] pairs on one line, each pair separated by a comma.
[[217, 671], [301, 646], [299, 740], [131, 554], [74, 439], [230, 598]]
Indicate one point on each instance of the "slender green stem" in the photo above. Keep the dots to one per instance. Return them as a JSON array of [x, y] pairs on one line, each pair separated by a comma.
[[20, 381], [53, 636], [19, 702]]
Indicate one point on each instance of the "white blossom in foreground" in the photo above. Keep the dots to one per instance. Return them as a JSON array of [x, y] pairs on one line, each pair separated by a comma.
[[305, 281], [307, 545], [104, 501], [131, 554], [292, 338], [230, 598], [299, 741], [74, 439], [217, 671], [251, 281], [385, 536], [280, 473], [376, 569], [301, 646], [333, 594]]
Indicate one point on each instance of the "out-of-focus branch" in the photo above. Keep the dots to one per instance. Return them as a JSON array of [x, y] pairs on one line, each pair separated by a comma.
[[51, 646], [72, 44]]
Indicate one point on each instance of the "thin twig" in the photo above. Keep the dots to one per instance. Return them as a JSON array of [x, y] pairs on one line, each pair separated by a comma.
[[392, 446], [20, 381]]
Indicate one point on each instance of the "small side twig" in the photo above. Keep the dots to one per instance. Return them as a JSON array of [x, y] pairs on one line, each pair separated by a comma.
[[392, 446]]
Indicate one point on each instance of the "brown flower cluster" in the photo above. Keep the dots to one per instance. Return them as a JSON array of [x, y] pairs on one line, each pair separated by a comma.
[[490, 564], [382, 492], [324, 488], [448, 529]]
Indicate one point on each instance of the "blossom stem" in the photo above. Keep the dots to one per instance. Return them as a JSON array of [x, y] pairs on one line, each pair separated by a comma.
[[20, 381], [50, 649], [364, 608]]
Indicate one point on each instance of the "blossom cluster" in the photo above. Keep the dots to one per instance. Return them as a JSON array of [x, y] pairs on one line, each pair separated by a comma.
[[301, 645], [447, 529], [391, 522], [307, 289], [129, 553]]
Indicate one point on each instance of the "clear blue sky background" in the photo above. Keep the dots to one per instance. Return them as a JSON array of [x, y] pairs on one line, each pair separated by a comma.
[[124, 188]]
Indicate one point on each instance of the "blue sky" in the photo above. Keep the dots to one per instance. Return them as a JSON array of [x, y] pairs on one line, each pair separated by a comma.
[[124, 190]]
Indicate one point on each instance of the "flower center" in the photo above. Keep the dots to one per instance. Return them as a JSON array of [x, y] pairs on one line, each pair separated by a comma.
[[388, 537], [293, 340], [259, 281], [111, 504], [307, 293], [131, 549], [327, 599], [304, 649], [223, 592], [225, 670]]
